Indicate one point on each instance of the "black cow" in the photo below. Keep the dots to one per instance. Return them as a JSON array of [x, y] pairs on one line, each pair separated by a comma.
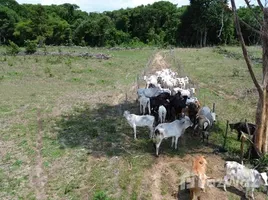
[[241, 127], [178, 102]]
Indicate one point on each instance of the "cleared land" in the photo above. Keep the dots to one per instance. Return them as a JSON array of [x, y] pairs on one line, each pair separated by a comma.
[[62, 134]]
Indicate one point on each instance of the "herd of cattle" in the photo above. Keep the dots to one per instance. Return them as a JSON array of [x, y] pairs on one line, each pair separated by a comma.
[[168, 107]]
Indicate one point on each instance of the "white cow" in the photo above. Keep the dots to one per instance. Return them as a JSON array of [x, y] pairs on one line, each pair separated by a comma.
[[174, 129], [140, 121], [248, 178]]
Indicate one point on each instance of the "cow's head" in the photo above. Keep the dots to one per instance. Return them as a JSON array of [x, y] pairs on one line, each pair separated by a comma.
[[186, 122], [126, 113], [213, 114]]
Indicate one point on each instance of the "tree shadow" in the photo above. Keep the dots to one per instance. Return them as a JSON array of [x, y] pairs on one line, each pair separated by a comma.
[[102, 130]]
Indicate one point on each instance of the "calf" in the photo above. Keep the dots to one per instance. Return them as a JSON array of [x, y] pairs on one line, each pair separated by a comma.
[[248, 178], [150, 80], [174, 129], [144, 103], [199, 172], [162, 112], [242, 127], [140, 121]]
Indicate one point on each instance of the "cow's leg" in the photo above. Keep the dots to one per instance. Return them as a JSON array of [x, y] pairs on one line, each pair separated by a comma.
[[172, 142], [141, 109], [203, 136], [144, 109], [252, 193], [191, 194], [225, 181], [151, 131], [207, 135], [246, 194], [239, 135], [176, 142], [134, 128], [157, 147]]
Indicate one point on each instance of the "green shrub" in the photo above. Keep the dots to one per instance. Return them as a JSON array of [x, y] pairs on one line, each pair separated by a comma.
[[30, 47], [235, 72], [48, 71], [261, 164], [100, 195], [12, 49], [45, 49]]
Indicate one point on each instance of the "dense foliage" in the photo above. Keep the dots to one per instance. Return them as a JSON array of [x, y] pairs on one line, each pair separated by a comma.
[[202, 23]]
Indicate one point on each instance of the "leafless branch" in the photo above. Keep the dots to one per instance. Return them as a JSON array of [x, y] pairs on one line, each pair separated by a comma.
[[256, 17], [245, 53], [253, 29], [222, 24], [260, 4]]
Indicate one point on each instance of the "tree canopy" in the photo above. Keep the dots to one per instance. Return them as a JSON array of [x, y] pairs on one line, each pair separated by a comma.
[[202, 23]]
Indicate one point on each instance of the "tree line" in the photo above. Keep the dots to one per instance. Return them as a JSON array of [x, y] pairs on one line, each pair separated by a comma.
[[202, 23]]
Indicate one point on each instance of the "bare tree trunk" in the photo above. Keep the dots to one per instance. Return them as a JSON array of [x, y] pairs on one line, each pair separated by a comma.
[[262, 108], [201, 39], [265, 80], [205, 38]]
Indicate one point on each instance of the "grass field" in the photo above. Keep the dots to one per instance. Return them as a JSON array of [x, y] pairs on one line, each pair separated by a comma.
[[62, 134]]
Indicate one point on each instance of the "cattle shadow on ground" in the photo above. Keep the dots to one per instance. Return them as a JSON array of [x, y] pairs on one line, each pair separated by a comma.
[[184, 192], [103, 130], [236, 191]]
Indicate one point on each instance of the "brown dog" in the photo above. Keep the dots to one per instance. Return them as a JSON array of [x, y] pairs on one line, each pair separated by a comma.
[[199, 171]]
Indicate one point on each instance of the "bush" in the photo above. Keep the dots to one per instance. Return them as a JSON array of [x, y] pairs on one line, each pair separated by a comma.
[[261, 164], [12, 49], [31, 46], [100, 195], [235, 72]]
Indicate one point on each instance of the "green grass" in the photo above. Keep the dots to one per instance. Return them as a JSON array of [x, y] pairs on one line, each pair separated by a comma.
[[60, 87], [87, 146]]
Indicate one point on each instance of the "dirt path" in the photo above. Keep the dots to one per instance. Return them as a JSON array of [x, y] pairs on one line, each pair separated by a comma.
[[158, 63], [38, 178]]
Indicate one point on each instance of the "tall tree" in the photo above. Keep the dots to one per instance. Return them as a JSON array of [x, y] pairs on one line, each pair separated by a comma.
[[250, 18], [262, 88], [206, 22], [8, 19]]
